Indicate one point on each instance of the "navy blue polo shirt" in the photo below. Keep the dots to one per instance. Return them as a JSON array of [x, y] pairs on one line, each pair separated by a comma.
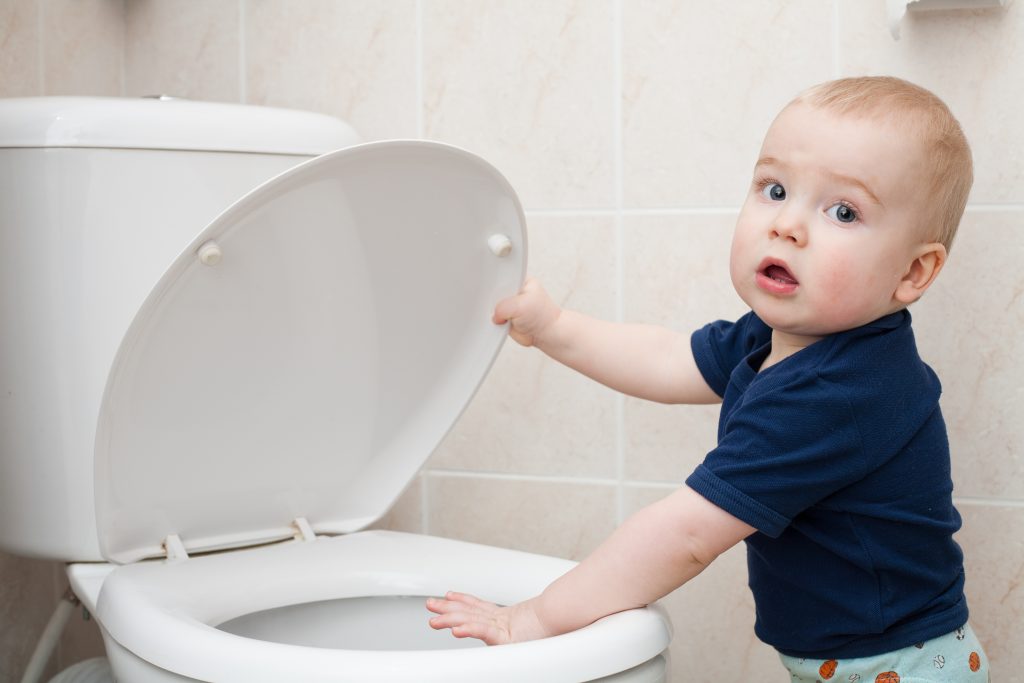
[[838, 456]]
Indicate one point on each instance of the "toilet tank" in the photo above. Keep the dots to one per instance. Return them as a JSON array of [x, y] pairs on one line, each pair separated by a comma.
[[97, 197]]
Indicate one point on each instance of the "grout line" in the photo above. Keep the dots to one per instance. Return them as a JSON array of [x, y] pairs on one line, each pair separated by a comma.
[[243, 85], [571, 212], [424, 503], [665, 485], [620, 278], [987, 502], [535, 478], [682, 210], [616, 211], [617, 92], [712, 210], [40, 49], [419, 70], [554, 479], [124, 46], [984, 208], [836, 68]]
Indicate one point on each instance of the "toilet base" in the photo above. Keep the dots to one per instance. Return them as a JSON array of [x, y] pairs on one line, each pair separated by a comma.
[[95, 670], [131, 669]]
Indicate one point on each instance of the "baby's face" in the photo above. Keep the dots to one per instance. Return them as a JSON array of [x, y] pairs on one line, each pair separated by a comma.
[[830, 222]]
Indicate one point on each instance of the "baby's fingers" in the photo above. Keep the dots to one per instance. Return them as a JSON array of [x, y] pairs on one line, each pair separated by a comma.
[[442, 606], [471, 625], [489, 633], [471, 600], [454, 602], [505, 310], [510, 307]]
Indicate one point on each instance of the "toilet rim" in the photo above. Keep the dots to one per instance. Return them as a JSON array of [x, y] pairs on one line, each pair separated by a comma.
[[615, 644], [168, 613]]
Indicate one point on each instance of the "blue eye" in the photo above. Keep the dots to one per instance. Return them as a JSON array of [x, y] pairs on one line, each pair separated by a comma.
[[774, 191], [842, 213]]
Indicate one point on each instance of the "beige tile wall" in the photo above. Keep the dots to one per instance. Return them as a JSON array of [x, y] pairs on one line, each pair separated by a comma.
[[61, 47], [354, 60], [629, 129], [702, 81], [182, 48]]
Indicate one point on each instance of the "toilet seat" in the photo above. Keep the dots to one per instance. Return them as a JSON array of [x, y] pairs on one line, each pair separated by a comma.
[[293, 370], [181, 603], [307, 352]]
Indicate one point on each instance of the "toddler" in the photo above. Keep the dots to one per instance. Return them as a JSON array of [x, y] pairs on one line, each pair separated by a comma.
[[832, 461]]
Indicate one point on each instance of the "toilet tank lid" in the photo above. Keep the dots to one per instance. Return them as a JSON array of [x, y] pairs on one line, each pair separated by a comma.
[[167, 123]]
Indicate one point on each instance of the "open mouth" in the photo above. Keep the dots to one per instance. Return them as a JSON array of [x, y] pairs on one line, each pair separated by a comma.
[[774, 277], [779, 274]]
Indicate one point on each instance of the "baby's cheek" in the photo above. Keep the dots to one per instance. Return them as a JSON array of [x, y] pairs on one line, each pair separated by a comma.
[[847, 292], [742, 269], [842, 277]]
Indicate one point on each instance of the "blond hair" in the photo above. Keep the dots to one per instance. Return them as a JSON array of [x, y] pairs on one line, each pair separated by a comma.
[[928, 117]]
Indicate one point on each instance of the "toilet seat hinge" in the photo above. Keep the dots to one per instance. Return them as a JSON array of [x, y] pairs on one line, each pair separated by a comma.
[[304, 532], [175, 548]]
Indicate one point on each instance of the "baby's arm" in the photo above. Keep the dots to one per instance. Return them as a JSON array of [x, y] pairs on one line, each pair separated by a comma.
[[654, 552], [645, 361]]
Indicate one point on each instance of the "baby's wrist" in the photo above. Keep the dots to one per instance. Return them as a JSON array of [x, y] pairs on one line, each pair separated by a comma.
[[550, 338], [548, 620]]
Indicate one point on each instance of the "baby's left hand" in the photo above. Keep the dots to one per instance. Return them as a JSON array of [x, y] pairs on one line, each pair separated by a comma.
[[471, 617]]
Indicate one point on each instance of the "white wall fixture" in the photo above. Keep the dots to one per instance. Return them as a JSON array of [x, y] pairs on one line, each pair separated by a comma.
[[897, 9]]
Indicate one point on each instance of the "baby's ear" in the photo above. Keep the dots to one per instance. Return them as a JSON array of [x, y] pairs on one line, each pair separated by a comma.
[[921, 273]]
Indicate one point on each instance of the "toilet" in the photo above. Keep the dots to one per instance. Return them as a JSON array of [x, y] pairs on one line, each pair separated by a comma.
[[232, 337]]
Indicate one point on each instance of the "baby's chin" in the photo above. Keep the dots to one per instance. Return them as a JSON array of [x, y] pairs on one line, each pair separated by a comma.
[[813, 319], [799, 325], [818, 327]]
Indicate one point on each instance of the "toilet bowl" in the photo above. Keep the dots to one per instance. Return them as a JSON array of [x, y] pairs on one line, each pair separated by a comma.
[[273, 394], [347, 608]]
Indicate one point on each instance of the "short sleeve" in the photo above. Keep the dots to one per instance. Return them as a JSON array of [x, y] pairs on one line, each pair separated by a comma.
[[720, 346], [782, 451]]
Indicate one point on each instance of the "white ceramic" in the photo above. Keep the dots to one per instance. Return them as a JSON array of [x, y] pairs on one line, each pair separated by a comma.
[[85, 233], [272, 394], [327, 610], [312, 368], [168, 124]]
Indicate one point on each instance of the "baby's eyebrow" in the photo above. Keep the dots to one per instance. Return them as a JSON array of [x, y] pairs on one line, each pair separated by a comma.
[[839, 177], [850, 180]]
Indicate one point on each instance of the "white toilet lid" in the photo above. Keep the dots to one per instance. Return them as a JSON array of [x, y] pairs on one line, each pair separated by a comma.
[[314, 367]]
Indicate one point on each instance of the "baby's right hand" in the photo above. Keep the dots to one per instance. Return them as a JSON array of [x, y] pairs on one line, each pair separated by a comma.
[[470, 617], [531, 313]]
